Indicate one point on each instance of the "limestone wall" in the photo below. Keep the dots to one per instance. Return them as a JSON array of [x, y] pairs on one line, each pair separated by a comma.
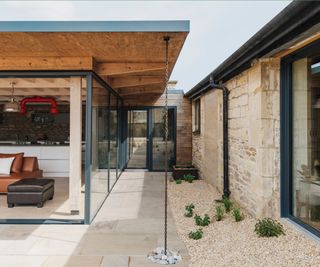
[[207, 146], [254, 144]]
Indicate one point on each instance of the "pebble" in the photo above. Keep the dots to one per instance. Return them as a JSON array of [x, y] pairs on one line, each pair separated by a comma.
[[158, 256], [233, 244]]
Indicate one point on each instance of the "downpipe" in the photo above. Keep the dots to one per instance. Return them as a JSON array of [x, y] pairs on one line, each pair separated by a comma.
[[225, 91]]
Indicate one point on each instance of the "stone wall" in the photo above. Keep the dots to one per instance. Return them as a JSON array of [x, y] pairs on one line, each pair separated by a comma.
[[207, 145], [254, 138]]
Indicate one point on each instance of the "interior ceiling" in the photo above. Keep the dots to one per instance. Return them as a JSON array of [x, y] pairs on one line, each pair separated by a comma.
[[132, 62]]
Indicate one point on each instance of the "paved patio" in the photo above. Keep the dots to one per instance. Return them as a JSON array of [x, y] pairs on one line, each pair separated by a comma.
[[128, 226]]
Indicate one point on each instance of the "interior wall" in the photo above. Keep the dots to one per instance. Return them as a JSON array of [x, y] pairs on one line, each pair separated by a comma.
[[13, 124]]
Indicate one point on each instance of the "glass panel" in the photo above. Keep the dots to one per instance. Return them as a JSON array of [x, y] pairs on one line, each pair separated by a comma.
[[42, 130], [158, 138], [119, 139], [137, 139], [306, 140], [99, 171], [113, 153]]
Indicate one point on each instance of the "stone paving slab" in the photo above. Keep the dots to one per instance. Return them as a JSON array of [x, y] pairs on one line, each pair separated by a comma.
[[128, 226], [115, 261]]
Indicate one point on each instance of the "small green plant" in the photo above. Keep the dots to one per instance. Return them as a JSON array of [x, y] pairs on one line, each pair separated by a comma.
[[237, 215], [219, 213], [268, 227], [188, 177], [205, 221], [196, 235], [227, 203], [178, 181], [189, 210]]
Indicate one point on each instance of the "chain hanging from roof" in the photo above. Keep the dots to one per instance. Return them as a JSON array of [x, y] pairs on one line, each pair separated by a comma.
[[163, 255]]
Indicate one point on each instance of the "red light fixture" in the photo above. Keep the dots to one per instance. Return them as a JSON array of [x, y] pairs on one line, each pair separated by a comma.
[[39, 99]]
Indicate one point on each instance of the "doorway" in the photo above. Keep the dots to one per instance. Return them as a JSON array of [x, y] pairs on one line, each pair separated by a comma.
[[146, 138], [137, 139]]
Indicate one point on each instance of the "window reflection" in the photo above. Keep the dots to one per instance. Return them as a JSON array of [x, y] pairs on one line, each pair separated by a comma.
[[306, 140]]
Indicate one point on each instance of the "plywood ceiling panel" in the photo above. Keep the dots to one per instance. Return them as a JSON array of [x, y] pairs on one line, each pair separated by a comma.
[[130, 60]]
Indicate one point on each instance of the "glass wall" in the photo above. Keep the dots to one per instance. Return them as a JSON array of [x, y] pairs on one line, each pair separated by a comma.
[[52, 134], [306, 139], [99, 137], [114, 140], [104, 144]]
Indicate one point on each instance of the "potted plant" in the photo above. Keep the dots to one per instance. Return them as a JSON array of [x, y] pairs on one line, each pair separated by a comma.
[[179, 171]]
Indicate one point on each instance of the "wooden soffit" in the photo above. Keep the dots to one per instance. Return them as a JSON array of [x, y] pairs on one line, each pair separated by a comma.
[[126, 60]]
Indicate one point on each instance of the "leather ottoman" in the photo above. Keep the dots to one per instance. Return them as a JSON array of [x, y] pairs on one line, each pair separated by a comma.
[[30, 191]]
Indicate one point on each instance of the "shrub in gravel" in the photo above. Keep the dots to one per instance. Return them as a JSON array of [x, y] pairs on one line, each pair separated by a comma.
[[178, 181], [219, 213], [227, 203], [189, 177], [196, 235], [268, 227], [189, 210], [205, 221], [237, 215]]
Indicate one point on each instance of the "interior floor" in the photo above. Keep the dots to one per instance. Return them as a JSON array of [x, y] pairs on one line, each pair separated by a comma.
[[58, 208]]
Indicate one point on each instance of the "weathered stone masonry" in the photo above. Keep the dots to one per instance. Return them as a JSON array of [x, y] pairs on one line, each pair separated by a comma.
[[254, 142]]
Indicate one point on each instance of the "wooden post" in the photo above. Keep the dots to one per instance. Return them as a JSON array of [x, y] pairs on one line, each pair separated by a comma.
[[75, 145]]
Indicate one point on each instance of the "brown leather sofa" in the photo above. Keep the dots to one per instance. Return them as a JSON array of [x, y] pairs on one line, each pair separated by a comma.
[[22, 168]]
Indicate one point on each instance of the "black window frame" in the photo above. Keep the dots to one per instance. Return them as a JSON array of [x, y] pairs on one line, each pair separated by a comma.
[[197, 116], [286, 134]]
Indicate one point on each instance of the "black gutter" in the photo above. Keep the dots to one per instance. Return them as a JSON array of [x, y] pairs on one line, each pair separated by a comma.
[[295, 19], [225, 91]]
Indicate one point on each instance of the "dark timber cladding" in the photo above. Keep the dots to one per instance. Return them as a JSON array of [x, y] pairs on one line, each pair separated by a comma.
[[295, 19]]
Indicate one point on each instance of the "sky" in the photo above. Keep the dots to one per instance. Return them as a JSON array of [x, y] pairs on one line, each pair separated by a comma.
[[217, 28]]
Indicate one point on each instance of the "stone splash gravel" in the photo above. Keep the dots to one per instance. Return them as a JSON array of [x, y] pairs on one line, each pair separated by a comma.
[[229, 243]]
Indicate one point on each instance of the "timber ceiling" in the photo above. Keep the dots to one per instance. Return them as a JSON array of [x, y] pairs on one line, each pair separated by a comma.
[[131, 62]]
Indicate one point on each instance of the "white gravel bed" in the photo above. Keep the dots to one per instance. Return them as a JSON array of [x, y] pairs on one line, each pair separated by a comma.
[[229, 243]]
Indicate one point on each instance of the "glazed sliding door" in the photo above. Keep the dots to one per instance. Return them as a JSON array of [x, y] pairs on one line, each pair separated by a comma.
[[146, 138], [137, 140], [158, 130], [306, 140]]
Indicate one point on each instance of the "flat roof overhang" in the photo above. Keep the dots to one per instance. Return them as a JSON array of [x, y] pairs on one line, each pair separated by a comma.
[[128, 55]]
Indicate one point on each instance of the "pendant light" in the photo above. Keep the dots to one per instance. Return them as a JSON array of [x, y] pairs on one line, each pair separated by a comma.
[[12, 105]]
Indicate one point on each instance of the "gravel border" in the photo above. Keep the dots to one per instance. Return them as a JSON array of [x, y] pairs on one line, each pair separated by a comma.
[[230, 243]]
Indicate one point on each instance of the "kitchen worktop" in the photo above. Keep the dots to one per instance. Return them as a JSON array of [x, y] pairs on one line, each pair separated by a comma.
[[11, 143], [6, 144]]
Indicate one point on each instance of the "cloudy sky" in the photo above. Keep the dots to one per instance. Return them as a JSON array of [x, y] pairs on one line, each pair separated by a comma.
[[218, 28]]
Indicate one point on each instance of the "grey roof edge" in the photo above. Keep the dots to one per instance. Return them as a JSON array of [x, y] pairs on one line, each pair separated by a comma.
[[96, 26], [293, 19], [175, 91]]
